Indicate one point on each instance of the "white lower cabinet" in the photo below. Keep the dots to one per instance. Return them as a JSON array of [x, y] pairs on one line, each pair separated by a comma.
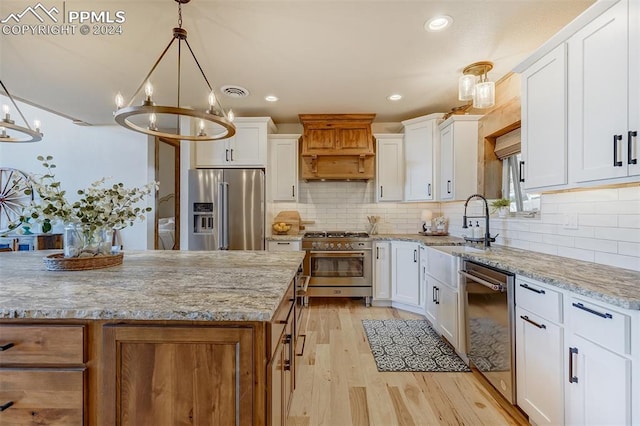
[[599, 359], [284, 245], [382, 272], [442, 306], [405, 273], [539, 368]]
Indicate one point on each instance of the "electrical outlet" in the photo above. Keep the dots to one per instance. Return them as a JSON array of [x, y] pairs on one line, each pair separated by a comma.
[[571, 221]]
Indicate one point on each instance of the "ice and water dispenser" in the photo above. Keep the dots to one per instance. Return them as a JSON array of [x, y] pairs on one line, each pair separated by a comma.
[[203, 218]]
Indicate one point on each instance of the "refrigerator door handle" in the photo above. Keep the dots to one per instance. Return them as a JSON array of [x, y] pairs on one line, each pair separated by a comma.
[[223, 216]]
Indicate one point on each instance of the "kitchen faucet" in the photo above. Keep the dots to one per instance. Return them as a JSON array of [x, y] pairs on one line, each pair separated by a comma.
[[487, 238]]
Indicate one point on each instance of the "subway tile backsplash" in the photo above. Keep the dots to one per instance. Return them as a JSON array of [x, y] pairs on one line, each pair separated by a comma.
[[608, 219]]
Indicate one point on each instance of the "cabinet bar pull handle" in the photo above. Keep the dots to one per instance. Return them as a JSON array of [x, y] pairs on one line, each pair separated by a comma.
[[616, 163], [448, 187], [304, 342], [535, 290], [592, 311], [380, 191], [293, 190], [526, 318], [572, 352], [433, 294], [377, 252], [6, 346], [283, 244], [429, 189], [633, 134], [521, 172], [437, 295], [6, 405], [415, 256], [231, 154], [226, 155]]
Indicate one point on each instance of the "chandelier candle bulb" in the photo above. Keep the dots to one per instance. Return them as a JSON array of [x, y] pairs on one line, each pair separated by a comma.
[[36, 125], [3, 132], [152, 122], [212, 100], [231, 115], [148, 90], [119, 100], [5, 111]]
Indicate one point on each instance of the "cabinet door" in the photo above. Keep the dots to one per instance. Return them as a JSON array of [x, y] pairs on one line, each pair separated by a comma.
[[319, 139], [166, 375], [544, 121], [355, 138], [382, 272], [448, 314], [431, 303], [540, 368], [418, 154], [600, 392], [390, 170], [249, 146], [446, 163], [213, 153], [633, 139], [283, 168], [277, 395], [405, 273], [598, 93]]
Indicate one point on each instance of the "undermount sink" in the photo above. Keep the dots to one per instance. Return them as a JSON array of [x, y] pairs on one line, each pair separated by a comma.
[[459, 249]]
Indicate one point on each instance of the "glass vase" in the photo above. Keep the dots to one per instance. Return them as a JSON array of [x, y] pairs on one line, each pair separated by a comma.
[[81, 241]]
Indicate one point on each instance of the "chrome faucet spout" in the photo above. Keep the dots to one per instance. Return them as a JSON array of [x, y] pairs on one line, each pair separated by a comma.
[[487, 235]]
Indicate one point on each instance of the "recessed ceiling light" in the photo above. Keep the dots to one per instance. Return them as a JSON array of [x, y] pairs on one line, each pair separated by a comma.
[[394, 97], [271, 98], [438, 23]]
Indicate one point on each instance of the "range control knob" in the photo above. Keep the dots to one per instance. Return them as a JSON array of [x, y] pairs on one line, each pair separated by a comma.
[[331, 245], [339, 246], [347, 245]]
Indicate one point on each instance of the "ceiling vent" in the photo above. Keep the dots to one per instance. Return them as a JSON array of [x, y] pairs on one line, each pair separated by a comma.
[[234, 91]]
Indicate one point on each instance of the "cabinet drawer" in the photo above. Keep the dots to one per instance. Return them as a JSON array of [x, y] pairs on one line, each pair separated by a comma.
[[283, 315], [284, 245], [539, 299], [42, 344], [601, 324], [42, 396]]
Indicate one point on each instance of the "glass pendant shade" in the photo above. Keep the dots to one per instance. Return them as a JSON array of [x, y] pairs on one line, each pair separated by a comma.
[[485, 95], [466, 84]]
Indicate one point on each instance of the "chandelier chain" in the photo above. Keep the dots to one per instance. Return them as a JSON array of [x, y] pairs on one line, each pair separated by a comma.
[[179, 15]]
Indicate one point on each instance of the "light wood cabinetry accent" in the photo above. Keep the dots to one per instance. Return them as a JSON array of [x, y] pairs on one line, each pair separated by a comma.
[[42, 374], [337, 146]]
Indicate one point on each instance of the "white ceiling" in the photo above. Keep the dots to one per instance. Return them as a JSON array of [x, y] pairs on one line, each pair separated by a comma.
[[316, 56]]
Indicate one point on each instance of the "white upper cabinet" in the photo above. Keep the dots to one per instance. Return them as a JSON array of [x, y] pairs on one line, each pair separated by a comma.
[[389, 167], [458, 176], [248, 147], [283, 167], [603, 96], [421, 143], [544, 121]]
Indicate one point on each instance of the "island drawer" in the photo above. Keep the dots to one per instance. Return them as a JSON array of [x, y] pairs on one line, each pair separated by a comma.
[[539, 299], [283, 315], [41, 344], [601, 324], [42, 396]]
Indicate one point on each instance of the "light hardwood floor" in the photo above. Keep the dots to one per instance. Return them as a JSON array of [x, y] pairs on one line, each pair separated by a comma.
[[338, 383]]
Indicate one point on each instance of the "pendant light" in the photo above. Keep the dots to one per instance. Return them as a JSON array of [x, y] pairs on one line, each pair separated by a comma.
[[8, 126], [474, 85], [215, 114]]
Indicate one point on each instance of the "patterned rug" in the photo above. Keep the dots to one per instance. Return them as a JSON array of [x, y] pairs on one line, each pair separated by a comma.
[[410, 345]]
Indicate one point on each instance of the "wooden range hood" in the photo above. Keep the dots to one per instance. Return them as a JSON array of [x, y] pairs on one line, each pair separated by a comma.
[[337, 147]]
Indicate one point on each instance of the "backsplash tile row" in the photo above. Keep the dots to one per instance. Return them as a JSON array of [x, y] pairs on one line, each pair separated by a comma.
[[608, 219]]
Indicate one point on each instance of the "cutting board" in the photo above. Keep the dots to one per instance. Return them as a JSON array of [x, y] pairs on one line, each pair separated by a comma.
[[291, 217]]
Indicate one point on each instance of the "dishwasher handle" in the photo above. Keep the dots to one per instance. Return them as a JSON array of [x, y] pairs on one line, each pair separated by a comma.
[[492, 286]]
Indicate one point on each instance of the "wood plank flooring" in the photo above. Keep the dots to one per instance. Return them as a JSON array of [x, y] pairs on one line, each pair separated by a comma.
[[338, 383]]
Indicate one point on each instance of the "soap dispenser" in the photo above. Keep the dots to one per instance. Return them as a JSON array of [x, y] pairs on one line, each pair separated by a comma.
[[479, 230]]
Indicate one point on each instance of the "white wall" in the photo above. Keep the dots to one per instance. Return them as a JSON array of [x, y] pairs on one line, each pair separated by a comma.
[[83, 155], [608, 219]]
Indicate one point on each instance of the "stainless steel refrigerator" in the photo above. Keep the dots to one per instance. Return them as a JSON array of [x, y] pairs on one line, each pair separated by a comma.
[[226, 209]]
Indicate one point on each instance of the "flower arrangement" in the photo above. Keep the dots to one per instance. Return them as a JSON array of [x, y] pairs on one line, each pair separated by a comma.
[[501, 205], [99, 207]]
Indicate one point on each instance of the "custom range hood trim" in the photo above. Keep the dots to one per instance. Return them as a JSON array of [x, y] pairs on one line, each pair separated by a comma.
[[337, 147]]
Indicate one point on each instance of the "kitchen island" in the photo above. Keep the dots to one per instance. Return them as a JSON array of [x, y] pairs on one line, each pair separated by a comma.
[[166, 337]]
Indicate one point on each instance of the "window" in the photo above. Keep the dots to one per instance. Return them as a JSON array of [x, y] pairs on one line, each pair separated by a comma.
[[521, 201]]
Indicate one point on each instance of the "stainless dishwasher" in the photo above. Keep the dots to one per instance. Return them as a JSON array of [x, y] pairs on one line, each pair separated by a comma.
[[490, 325]]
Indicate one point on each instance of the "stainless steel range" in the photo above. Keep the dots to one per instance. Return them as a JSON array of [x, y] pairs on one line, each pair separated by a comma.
[[339, 264]]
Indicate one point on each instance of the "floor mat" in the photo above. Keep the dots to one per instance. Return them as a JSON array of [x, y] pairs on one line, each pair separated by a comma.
[[410, 345]]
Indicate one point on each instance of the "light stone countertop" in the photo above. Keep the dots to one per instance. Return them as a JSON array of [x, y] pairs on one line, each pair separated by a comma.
[[617, 286], [150, 285]]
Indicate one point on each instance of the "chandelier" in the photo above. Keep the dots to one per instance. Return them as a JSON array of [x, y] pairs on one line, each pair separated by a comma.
[[475, 86], [125, 115], [27, 134]]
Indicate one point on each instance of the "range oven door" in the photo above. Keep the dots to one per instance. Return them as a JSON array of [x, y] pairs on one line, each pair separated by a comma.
[[338, 268]]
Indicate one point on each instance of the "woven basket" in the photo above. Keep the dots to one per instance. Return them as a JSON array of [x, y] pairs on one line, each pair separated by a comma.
[[57, 262]]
